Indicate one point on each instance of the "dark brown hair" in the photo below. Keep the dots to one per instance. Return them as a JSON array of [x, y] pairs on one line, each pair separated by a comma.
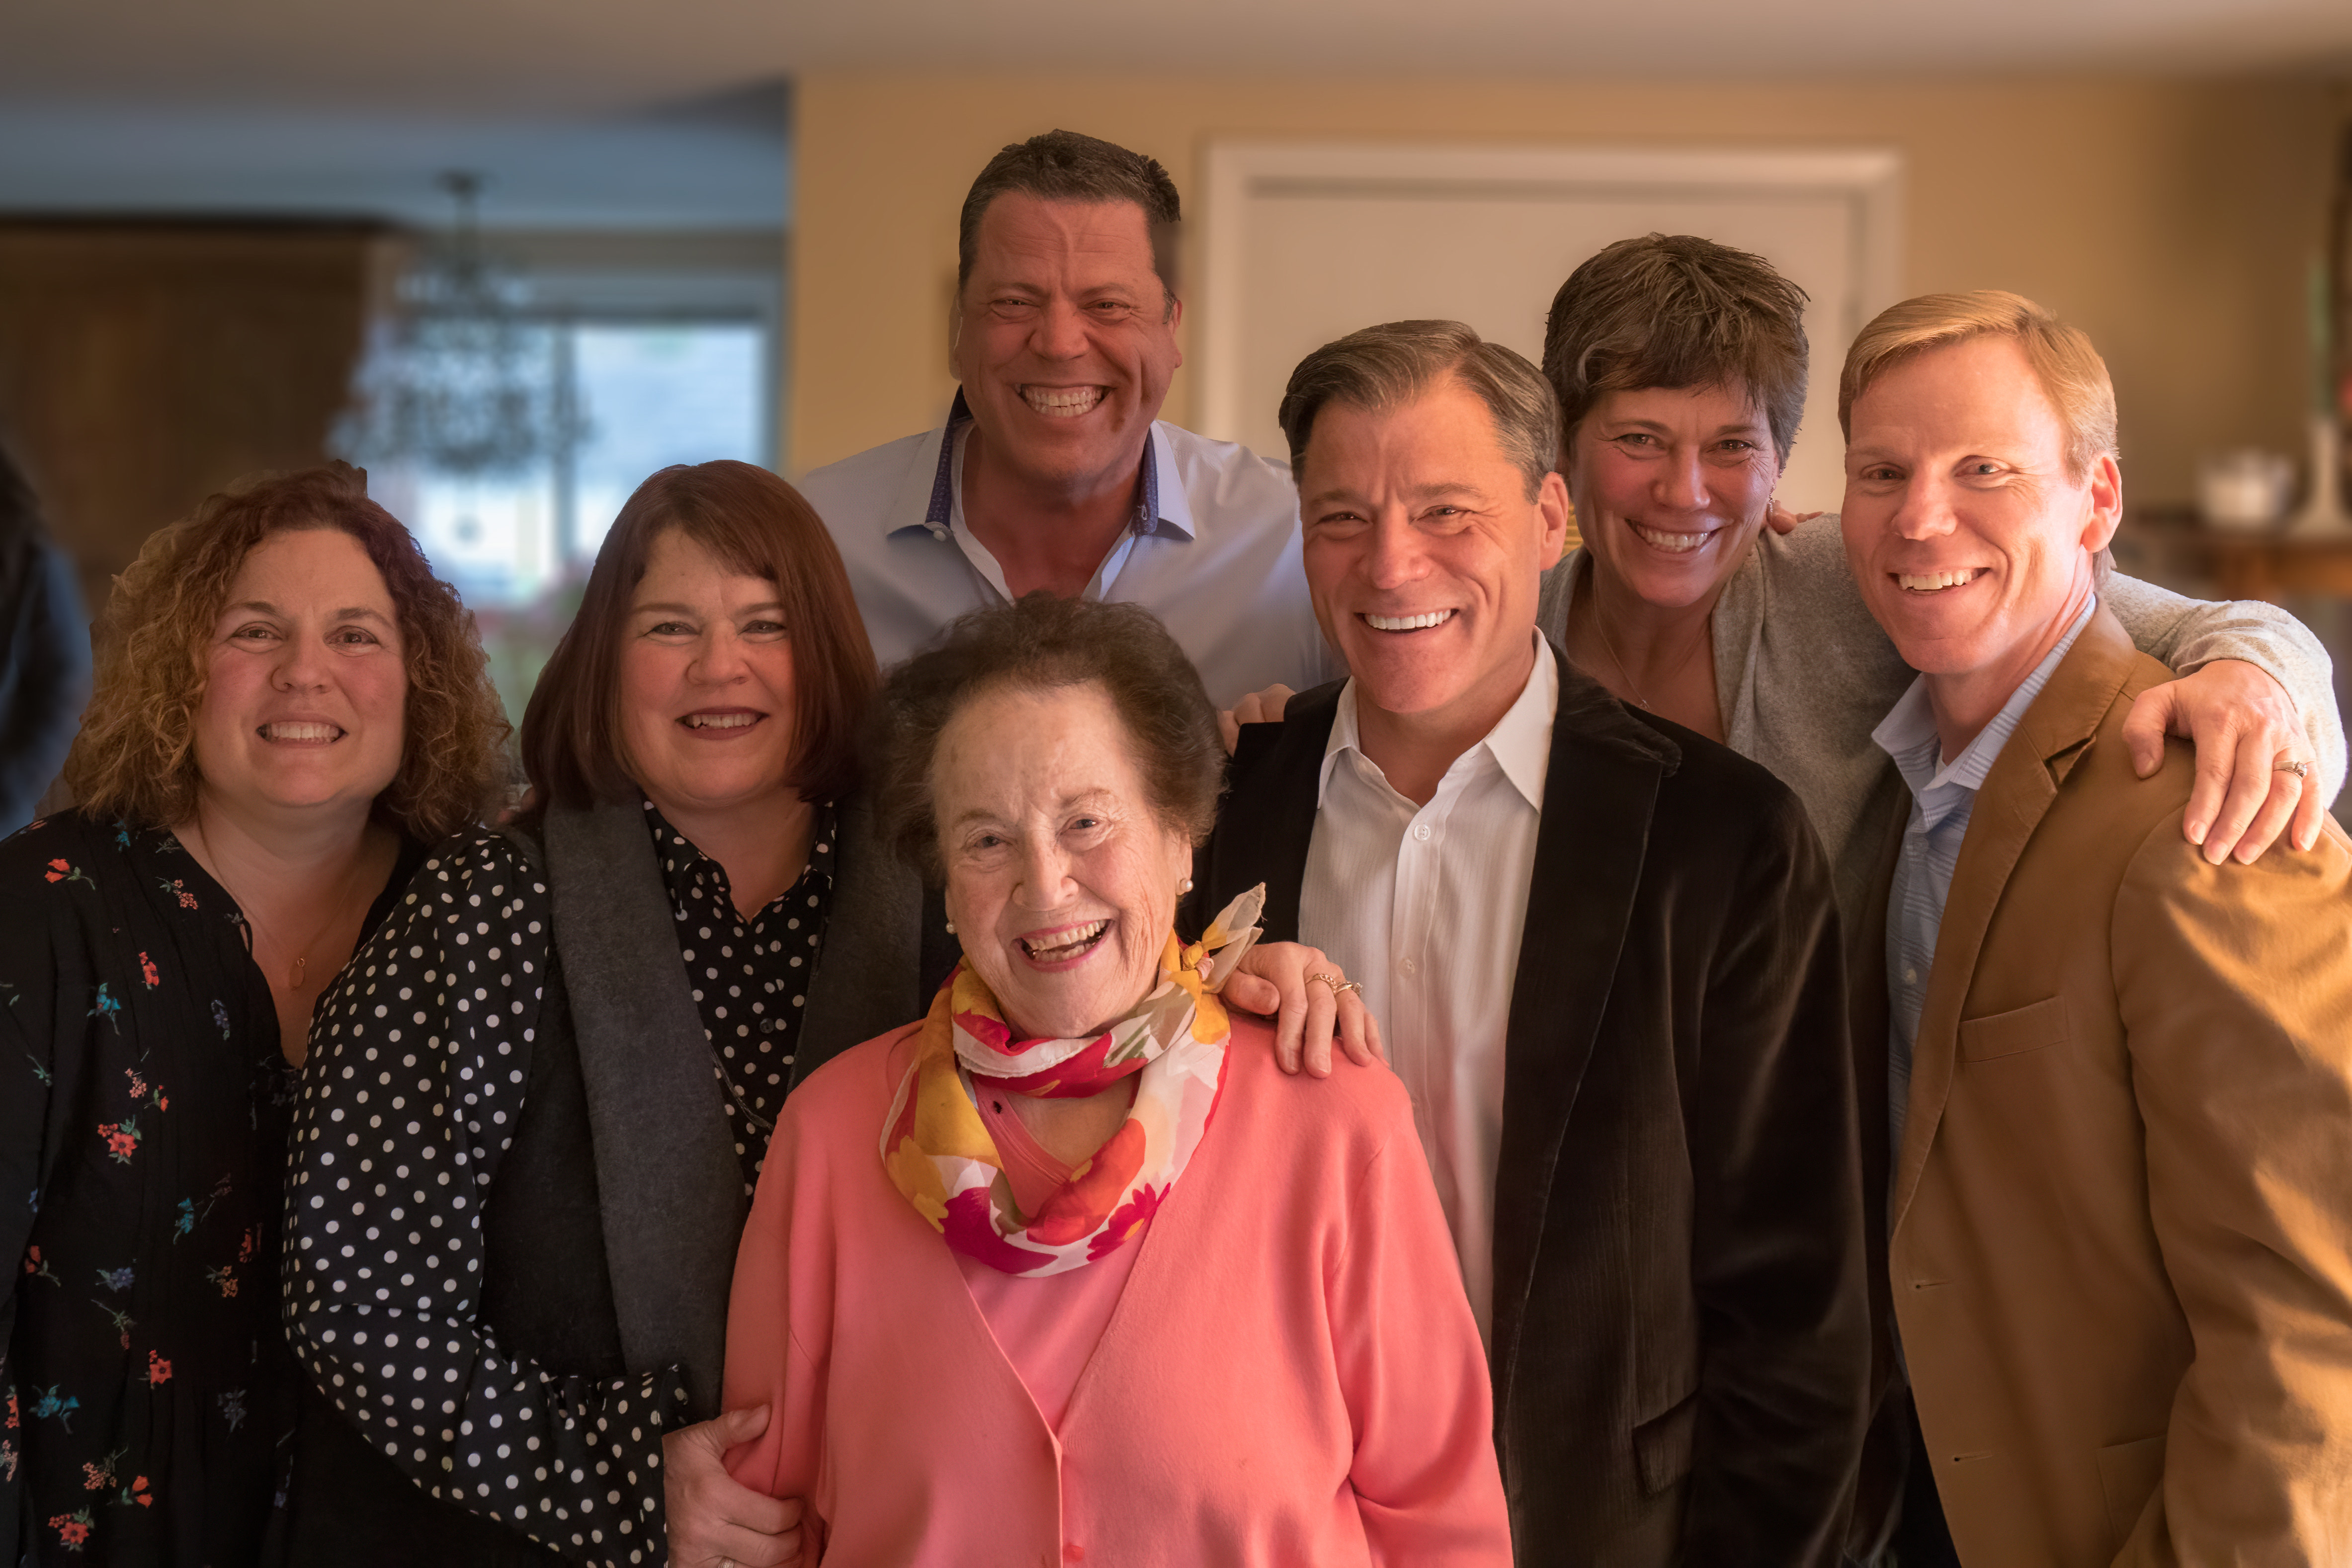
[[1676, 311], [760, 526], [1065, 166], [1041, 642], [1380, 367], [135, 757]]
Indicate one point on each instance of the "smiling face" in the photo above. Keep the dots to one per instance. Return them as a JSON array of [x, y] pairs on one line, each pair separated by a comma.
[[1064, 338], [1671, 485], [1423, 550], [305, 688], [1972, 545], [706, 715], [1061, 878]]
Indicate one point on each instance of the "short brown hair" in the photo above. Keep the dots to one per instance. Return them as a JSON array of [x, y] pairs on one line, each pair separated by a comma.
[[763, 527], [135, 757], [2073, 375], [1065, 166], [1380, 367], [1679, 312], [1042, 643]]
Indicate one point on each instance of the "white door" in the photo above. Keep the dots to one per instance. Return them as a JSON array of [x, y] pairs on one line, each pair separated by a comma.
[[1305, 242]]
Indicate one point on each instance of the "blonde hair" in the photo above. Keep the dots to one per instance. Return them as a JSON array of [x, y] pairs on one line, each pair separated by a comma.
[[135, 757], [2073, 375]]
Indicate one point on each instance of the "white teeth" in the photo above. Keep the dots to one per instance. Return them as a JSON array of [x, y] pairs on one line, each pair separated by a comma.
[[1069, 945], [720, 720], [1409, 623], [1935, 581], [1064, 403], [299, 732], [1673, 544]]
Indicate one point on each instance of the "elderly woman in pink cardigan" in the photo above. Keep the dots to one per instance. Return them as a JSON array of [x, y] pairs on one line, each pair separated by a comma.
[[1068, 1271]]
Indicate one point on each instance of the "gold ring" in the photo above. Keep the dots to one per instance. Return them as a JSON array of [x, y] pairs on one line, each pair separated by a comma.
[[1338, 988], [2299, 767]]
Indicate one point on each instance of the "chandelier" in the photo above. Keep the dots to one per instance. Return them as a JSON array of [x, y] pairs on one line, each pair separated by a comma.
[[456, 380]]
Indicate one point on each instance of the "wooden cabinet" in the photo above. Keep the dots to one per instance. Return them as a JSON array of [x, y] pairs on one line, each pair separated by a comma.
[[144, 365]]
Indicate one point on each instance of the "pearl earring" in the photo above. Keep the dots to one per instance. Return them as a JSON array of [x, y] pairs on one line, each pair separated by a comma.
[[1184, 887]]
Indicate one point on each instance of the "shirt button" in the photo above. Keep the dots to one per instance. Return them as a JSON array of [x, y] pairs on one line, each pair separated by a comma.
[[1406, 965], [1910, 976], [1074, 1553], [1421, 831]]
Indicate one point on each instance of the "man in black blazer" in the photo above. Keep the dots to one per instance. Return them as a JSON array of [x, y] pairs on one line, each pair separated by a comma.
[[1605, 959]]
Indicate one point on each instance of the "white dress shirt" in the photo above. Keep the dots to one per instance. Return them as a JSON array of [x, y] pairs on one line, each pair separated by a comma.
[[1212, 551], [1425, 905]]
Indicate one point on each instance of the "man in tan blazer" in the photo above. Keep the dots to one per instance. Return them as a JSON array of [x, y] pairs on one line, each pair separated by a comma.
[[2120, 1078]]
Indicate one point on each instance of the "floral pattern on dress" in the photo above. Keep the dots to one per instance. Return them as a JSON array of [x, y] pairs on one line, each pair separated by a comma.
[[149, 1395]]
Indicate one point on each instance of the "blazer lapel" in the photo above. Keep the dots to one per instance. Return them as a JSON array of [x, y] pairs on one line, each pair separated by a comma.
[[2017, 794], [1268, 821], [668, 1182], [1599, 795]]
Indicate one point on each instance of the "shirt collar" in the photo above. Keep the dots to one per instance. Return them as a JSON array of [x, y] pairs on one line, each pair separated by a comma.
[[1520, 742], [1907, 734], [1163, 510]]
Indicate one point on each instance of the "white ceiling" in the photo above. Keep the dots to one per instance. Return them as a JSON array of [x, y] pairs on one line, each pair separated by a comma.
[[542, 55], [590, 112]]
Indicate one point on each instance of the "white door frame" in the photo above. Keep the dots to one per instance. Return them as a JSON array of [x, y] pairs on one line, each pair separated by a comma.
[[1869, 179]]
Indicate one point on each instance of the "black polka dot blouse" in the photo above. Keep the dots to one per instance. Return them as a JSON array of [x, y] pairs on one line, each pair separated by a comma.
[[750, 981], [409, 1102]]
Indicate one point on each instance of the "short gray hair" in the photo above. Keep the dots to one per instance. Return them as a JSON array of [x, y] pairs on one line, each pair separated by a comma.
[[1383, 366]]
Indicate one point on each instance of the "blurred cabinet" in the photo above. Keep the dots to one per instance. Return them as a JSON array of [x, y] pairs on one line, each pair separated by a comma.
[[144, 365]]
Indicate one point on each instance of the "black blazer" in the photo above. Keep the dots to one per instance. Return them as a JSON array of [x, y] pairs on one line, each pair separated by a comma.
[[1681, 1342]]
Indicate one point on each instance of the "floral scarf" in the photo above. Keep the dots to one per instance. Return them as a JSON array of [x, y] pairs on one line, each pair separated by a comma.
[[939, 1152]]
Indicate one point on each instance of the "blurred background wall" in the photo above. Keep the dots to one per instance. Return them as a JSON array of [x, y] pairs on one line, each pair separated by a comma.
[[728, 231], [2174, 221]]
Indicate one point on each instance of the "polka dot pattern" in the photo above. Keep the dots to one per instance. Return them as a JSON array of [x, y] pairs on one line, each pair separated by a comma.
[[409, 1101], [751, 978]]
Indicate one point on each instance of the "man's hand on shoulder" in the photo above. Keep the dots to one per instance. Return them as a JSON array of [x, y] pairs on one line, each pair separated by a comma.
[[1310, 1000], [1258, 707], [2246, 731]]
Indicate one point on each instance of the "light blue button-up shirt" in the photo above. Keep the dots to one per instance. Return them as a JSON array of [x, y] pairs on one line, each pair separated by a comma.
[[1213, 549], [1943, 794]]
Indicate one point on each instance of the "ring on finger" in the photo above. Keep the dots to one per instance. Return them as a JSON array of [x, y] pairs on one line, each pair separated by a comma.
[[2298, 767]]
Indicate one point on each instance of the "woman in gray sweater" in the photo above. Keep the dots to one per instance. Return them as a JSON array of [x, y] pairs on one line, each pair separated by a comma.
[[1680, 365]]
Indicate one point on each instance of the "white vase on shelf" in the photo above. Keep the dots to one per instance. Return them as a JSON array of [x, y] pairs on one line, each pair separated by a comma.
[[2321, 517]]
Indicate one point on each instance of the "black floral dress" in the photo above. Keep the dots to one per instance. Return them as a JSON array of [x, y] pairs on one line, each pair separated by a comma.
[[144, 1104]]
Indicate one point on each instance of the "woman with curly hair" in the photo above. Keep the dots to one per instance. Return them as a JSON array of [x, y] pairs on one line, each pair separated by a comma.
[[288, 706]]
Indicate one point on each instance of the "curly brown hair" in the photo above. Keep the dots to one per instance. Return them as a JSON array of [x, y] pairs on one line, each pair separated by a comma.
[[135, 757]]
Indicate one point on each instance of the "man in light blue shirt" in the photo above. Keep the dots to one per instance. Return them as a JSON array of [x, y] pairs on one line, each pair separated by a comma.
[[1054, 470], [1943, 794]]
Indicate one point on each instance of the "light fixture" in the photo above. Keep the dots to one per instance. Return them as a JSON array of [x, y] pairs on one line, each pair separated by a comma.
[[456, 379]]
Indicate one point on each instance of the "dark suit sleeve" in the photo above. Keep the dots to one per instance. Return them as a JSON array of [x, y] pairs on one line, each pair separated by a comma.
[[1776, 1253]]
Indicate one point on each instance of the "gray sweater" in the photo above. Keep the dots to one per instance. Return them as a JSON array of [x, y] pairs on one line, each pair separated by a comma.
[[1804, 674]]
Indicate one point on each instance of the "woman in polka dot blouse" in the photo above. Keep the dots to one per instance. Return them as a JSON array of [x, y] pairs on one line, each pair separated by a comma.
[[256, 788], [540, 1099]]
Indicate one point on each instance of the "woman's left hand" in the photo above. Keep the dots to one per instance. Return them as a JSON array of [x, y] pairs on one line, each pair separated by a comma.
[[1287, 980]]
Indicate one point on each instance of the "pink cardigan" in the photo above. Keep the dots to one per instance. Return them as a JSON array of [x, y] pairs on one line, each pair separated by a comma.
[[1291, 1376]]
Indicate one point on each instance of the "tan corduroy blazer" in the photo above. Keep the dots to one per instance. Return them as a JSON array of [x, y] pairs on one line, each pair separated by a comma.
[[2122, 1249]]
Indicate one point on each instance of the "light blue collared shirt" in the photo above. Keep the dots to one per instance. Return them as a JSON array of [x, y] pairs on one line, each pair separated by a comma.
[[1943, 794], [1213, 549]]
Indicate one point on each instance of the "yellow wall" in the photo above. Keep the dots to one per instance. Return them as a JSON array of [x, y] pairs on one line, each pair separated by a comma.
[[2172, 221]]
